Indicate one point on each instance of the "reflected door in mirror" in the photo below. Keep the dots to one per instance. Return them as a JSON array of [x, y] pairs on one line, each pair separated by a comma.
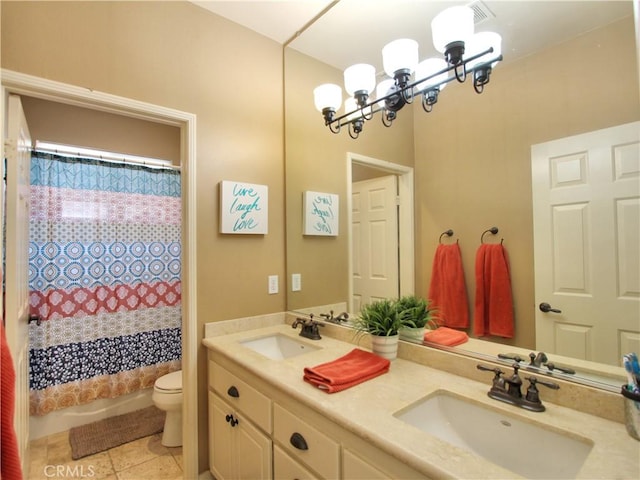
[[586, 191]]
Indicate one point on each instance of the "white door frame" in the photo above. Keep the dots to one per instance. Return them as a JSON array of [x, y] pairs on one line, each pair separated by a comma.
[[22, 84], [406, 262]]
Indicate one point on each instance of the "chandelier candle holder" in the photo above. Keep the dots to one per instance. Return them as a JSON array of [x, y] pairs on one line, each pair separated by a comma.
[[464, 52]]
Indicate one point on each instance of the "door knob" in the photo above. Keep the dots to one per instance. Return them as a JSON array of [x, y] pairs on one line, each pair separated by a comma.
[[546, 308]]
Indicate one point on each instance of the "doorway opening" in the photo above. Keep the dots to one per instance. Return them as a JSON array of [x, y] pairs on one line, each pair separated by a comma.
[[26, 85], [405, 221]]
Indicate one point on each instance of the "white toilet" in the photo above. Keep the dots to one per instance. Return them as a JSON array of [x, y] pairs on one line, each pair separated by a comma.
[[167, 396]]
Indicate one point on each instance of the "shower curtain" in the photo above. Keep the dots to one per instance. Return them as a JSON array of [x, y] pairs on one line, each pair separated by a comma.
[[104, 276]]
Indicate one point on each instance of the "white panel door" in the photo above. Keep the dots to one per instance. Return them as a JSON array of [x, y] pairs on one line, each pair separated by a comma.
[[586, 197], [375, 240], [18, 153]]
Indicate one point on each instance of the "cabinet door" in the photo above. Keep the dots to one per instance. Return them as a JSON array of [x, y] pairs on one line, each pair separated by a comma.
[[286, 468], [220, 440], [252, 451]]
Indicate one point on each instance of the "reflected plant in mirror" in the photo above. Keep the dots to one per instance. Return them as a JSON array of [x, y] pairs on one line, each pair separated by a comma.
[[471, 165]]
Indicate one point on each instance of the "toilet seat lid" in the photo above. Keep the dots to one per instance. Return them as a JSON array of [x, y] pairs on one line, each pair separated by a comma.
[[170, 382]]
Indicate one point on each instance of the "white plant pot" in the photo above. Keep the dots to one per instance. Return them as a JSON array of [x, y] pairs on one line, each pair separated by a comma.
[[385, 346], [412, 334]]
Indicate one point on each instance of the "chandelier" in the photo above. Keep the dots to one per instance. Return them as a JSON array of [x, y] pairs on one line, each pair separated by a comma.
[[465, 52]]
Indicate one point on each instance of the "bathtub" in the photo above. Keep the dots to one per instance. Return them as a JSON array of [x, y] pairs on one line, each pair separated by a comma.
[[67, 418]]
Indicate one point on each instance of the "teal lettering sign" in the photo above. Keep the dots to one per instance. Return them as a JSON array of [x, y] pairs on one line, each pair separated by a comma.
[[243, 208], [321, 213]]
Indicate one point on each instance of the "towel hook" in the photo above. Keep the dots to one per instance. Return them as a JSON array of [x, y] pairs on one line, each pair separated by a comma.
[[448, 233], [492, 230]]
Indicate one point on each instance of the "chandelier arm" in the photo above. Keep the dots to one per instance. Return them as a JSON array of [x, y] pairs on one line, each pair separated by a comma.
[[366, 116], [407, 94], [426, 106], [334, 127], [386, 121], [352, 133], [461, 77]]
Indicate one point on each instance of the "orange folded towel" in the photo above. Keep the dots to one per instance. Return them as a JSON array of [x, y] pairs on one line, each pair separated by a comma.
[[447, 291], [494, 302], [446, 336], [351, 369]]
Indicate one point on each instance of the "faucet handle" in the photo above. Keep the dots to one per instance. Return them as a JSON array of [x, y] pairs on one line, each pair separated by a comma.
[[511, 356], [495, 370], [533, 396], [546, 383], [563, 369]]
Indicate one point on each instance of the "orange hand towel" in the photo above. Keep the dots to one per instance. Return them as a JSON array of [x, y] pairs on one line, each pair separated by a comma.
[[446, 336], [351, 369], [447, 291], [494, 302]]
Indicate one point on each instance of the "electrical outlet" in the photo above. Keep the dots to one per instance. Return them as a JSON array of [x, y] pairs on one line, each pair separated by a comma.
[[296, 282], [273, 284]]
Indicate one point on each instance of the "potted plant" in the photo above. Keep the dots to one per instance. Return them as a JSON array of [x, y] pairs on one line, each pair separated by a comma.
[[382, 320], [416, 316]]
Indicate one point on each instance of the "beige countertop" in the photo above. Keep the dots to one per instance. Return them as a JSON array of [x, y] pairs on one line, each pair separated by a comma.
[[368, 410]]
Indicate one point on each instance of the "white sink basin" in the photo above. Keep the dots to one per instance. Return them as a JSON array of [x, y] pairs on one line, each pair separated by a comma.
[[528, 449], [278, 346]]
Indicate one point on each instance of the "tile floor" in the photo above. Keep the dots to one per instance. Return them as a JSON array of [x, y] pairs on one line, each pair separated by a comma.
[[143, 459]]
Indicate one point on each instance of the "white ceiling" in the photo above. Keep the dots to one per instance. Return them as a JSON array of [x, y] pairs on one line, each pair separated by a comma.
[[354, 31]]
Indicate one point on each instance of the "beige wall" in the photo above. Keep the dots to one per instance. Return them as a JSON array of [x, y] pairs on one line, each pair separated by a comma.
[[473, 152], [70, 125], [180, 56], [316, 160]]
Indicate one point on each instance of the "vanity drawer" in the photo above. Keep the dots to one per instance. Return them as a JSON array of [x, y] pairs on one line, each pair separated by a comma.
[[286, 468], [322, 453], [242, 396]]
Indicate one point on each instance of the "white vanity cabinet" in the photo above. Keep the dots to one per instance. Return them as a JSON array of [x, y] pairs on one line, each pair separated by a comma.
[[279, 437], [240, 445]]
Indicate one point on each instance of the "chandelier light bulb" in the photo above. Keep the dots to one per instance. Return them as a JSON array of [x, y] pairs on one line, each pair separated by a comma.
[[400, 56], [452, 28], [360, 77], [481, 42], [430, 67], [327, 96], [383, 89]]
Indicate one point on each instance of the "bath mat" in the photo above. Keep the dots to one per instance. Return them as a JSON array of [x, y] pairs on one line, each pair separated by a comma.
[[108, 433]]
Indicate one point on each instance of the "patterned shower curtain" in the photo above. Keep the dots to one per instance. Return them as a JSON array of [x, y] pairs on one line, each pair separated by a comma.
[[104, 276]]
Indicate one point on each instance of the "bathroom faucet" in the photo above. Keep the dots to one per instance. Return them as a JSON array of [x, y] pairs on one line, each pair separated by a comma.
[[509, 390], [309, 327], [343, 317], [537, 360]]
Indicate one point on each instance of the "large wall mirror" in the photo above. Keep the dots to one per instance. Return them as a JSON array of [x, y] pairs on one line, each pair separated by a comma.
[[569, 68]]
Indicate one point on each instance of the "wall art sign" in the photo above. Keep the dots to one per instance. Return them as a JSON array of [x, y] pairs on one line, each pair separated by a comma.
[[320, 213], [244, 208]]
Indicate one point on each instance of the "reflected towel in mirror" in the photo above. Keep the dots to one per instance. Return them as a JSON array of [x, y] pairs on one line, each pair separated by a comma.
[[446, 336], [447, 291], [494, 301]]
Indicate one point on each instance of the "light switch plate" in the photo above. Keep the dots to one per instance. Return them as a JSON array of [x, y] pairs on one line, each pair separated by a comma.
[[296, 282], [273, 284]]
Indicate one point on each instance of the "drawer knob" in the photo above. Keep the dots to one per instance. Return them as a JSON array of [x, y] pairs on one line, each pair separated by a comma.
[[232, 420], [233, 392], [298, 441]]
